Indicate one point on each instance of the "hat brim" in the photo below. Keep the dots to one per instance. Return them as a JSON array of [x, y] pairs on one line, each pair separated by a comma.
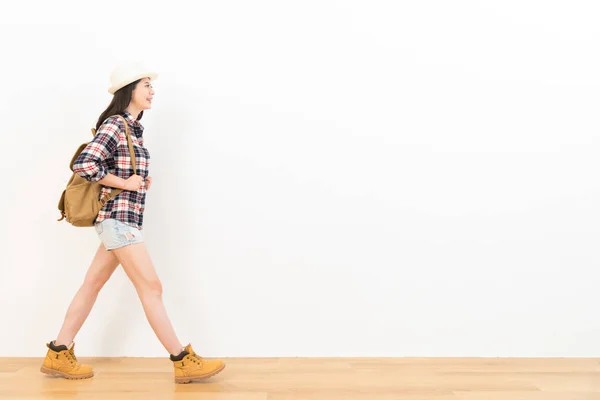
[[122, 84]]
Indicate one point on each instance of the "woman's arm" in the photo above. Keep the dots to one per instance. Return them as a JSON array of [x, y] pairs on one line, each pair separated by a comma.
[[90, 164], [133, 183], [112, 181]]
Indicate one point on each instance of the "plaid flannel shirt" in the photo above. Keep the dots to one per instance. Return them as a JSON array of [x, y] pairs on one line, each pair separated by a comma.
[[108, 152]]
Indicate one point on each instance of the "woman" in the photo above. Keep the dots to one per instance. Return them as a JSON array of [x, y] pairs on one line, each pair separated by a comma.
[[119, 224]]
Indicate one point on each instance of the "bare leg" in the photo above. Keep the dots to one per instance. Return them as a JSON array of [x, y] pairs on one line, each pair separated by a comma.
[[138, 267], [100, 270]]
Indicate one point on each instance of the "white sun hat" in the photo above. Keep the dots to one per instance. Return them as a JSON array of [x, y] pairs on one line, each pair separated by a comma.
[[129, 72]]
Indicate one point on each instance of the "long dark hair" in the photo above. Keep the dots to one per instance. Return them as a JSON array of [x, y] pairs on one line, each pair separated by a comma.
[[119, 103]]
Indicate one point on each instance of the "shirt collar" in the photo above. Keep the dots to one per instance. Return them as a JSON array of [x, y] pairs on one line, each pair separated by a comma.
[[132, 122]]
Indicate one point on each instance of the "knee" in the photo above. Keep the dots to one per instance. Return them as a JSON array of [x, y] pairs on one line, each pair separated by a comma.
[[153, 288]]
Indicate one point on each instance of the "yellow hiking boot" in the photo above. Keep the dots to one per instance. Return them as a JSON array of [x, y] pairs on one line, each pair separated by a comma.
[[61, 361], [190, 366]]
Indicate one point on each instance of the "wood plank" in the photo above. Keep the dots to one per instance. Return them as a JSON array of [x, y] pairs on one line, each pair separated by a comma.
[[316, 379]]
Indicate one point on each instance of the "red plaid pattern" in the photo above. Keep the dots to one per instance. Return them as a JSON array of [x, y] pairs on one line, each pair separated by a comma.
[[108, 152]]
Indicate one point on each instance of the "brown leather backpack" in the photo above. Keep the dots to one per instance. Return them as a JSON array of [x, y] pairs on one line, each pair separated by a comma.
[[80, 202]]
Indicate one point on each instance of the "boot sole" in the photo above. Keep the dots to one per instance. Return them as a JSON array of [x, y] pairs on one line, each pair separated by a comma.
[[53, 372], [188, 379]]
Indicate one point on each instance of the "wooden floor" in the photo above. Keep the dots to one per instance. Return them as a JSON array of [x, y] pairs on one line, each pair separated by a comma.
[[322, 379]]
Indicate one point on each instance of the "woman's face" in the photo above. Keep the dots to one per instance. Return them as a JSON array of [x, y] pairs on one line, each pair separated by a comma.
[[142, 95]]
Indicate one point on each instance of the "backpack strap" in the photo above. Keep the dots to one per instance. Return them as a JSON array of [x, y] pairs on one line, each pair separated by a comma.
[[113, 193]]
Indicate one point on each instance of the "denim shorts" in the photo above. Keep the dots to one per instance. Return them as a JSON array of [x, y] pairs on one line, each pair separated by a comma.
[[115, 234]]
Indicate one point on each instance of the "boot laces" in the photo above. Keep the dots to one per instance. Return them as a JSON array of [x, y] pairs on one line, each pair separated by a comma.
[[71, 356], [196, 358]]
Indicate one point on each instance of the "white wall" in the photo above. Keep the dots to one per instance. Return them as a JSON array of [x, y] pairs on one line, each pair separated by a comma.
[[331, 178]]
